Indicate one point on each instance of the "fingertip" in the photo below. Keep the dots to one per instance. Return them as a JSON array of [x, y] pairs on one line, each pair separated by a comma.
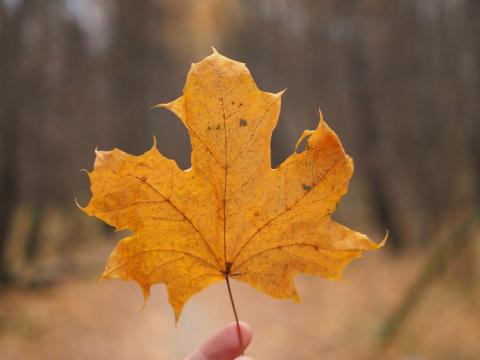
[[225, 343], [243, 326], [228, 336], [246, 333]]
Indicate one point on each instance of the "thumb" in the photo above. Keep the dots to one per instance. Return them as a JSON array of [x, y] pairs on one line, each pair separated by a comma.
[[224, 345]]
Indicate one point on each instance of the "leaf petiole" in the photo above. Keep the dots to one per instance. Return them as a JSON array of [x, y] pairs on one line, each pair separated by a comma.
[[227, 278]]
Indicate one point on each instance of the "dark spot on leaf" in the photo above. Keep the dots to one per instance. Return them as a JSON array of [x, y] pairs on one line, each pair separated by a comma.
[[243, 122], [240, 104], [209, 128], [217, 127], [233, 102], [315, 247], [306, 187], [143, 178], [256, 213]]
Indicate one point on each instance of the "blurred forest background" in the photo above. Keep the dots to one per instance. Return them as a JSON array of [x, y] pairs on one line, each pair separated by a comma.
[[399, 81]]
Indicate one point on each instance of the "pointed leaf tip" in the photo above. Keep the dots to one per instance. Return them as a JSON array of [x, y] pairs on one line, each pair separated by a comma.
[[384, 240], [162, 105], [85, 171], [79, 206], [321, 116], [281, 92], [146, 295], [305, 134]]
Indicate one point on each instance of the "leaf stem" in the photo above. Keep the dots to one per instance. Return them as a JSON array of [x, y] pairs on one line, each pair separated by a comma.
[[234, 312]]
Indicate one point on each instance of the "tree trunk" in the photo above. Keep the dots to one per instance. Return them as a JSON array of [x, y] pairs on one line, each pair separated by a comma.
[[10, 107]]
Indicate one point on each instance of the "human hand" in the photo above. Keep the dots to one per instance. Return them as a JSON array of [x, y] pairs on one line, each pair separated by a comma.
[[224, 345]]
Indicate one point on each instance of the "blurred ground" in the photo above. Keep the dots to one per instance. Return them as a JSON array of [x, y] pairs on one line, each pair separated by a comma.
[[81, 318]]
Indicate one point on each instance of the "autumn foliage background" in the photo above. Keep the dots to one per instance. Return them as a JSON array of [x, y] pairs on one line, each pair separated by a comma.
[[398, 82]]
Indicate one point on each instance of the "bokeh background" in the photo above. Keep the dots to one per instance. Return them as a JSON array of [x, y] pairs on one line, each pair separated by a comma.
[[399, 81]]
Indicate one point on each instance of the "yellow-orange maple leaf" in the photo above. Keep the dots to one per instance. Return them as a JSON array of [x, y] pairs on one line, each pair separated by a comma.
[[231, 214]]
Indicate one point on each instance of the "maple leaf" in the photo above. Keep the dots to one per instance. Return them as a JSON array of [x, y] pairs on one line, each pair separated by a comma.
[[231, 214]]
